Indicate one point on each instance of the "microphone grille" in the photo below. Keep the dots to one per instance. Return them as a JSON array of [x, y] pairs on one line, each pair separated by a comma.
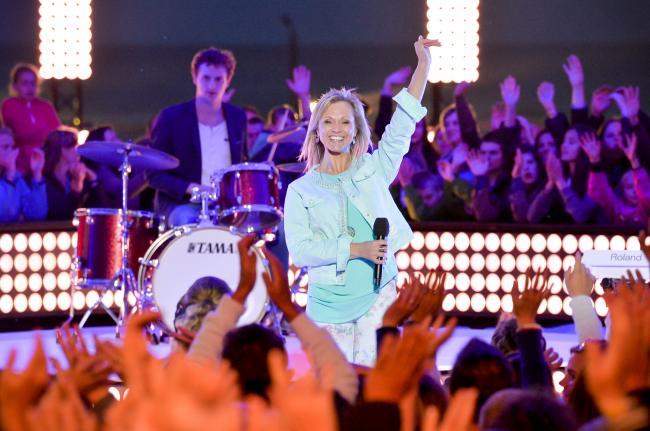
[[380, 227]]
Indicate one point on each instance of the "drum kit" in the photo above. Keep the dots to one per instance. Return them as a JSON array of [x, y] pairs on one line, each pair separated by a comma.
[[115, 245]]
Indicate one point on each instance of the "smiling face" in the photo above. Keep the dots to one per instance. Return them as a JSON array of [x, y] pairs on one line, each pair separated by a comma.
[[211, 82], [336, 128]]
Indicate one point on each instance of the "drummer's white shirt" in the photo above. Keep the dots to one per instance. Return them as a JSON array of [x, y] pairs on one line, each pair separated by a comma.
[[215, 150]]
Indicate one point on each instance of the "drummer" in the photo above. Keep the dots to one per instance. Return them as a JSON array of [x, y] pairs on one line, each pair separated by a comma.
[[205, 134]]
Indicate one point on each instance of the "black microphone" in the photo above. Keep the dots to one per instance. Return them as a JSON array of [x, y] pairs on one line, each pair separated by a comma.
[[380, 231]]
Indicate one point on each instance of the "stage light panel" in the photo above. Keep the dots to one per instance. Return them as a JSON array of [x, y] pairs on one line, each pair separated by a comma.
[[402, 259], [566, 306], [477, 282], [20, 242], [477, 303], [65, 39], [35, 282], [492, 262], [632, 243], [49, 262], [493, 303], [554, 243], [432, 261], [538, 262], [477, 262], [6, 283], [35, 242], [64, 241], [447, 261], [6, 263], [417, 261], [617, 242], [492, 242], [538, 243], [91, 298], [35, 302], [49, 241], [455, 24], [463, 301], [20, 263], [63, 301], [569, 244], [492, 283], [507, 282], [63, 280], [20, 283], [601, 307], [449, 303], [35, 262], [601, 243], [78, 300], [506, 303], [477, 241], [508, 242], [522, 263], [554, 263], [6, 243], [107, 300], [462, 282], [431, 241], [6, 304], [49, 301], [507, 262], [447, 241], [20, 303], [554, 304], [462, 241]]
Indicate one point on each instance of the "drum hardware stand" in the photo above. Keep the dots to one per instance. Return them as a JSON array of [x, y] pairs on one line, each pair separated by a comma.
[[205, 197], [75, 267]]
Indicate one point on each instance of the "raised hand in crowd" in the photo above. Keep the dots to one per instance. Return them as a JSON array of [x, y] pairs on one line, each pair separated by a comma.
[[277, 286], [614, 372], [553, 359], [431, 302], [300, 85], [510, 95], [405, 304], [600, 100], [546, 97], [461, 88], [628, 100], [578, 280], [88, 372], [36, 164], [397, 78], [247, 268], [305, 404], [20, 391], [555, 172], [406, 171], [459, 415], [61, 408], [526, 303], [591, 146], [628, 146], [446, 170], [576, 76], [478, 165], [518, 164]]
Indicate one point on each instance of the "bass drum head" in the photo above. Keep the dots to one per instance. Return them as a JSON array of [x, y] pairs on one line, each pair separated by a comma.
[[193, 253]]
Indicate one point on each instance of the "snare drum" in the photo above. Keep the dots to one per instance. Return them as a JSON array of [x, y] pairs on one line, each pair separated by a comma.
[[248, 197], [98, 256], [183, 255]]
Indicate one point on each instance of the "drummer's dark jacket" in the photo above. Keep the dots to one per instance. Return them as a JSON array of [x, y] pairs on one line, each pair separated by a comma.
[[176, 132]]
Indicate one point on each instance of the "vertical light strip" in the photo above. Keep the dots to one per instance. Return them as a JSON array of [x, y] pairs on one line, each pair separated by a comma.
[[65, 39], [455, 24]]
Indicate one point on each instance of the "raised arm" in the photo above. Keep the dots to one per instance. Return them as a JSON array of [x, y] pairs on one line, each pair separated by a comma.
[[419, 78]]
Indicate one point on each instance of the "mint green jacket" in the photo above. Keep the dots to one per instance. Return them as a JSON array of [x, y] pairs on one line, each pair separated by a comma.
[[315, 211]]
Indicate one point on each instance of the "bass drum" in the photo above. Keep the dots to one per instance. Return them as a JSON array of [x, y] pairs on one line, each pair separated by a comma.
[[184, 254]]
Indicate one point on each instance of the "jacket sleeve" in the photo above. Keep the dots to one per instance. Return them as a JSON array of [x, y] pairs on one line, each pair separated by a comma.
[[305, 247], [396, 139], [467, 123], [534, 371], [162, 140], [586, 321]]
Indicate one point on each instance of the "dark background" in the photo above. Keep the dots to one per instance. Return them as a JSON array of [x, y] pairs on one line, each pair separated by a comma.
[[142, 48]]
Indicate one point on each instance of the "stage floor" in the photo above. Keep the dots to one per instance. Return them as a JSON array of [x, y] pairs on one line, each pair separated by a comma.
[[561, 338]]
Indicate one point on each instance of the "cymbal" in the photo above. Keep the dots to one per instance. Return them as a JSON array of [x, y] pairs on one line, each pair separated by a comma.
[[291, 135], [140, 157], [297, 167]]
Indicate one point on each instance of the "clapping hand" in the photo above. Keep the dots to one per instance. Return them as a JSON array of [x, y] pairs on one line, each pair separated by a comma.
[[431, 302], [406, 302], [247, 268], [554, 171], [525, 304]]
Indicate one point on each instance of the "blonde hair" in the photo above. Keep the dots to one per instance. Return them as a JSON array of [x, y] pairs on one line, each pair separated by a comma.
[[313, 149]]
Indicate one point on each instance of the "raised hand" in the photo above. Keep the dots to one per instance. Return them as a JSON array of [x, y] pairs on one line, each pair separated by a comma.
[[546, 97], [461, 88], [628, 101], [628, 146], [300, 84], [553, 359], [431, 302], [406, 171], [478, 165], [307, 403], [398, 77], [459, 415], [525, 305], [446, 170], [247, 268], [578, 279], [278, 289], [591, 146], [510, 91], [554, 171], [406, 302], [518, 164], [422, 46], [600, 100], [573, 70], [36, 164]]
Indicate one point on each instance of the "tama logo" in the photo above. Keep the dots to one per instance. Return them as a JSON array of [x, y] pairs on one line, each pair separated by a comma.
[[211, 248], [619, 257]]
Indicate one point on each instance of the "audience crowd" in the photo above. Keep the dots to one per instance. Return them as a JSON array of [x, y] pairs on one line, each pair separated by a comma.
[[219, 376], [588, 166]]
